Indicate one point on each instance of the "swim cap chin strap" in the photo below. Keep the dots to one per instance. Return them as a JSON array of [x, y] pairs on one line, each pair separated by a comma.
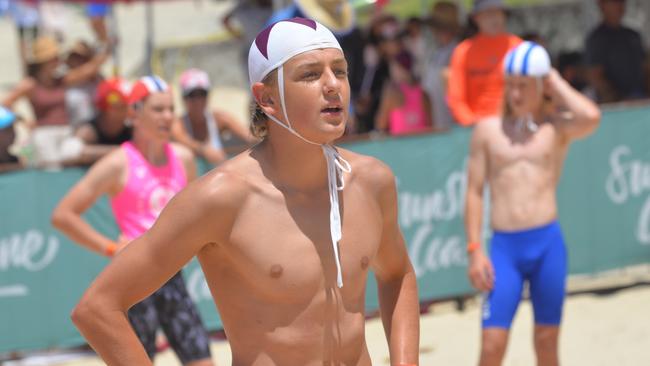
[[336, 166]]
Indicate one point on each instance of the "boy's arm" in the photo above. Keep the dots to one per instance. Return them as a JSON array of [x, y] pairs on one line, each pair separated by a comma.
[[199, 215], [396, 279]]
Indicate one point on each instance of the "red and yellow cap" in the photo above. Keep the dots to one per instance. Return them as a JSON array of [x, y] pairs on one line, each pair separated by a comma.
[[110, 92]]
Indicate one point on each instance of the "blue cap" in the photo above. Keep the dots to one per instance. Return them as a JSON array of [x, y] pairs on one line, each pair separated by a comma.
[[7, 117]]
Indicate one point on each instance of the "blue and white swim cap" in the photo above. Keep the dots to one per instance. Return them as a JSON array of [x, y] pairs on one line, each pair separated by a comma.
[[527, 59]]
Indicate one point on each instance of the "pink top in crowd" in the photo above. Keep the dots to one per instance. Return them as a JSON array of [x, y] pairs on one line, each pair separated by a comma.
[[410, 117], [147, 190]]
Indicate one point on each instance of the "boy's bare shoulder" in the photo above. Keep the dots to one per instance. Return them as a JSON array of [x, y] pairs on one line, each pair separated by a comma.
[[229, 184], [368, 170]]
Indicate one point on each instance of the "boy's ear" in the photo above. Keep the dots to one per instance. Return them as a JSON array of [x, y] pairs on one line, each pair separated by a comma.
[[263, 97]]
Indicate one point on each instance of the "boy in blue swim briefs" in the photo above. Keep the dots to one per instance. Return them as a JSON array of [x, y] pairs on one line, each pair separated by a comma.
[[520, 156]]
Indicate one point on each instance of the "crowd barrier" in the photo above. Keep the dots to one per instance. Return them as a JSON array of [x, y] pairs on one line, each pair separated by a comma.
[[604, 200]]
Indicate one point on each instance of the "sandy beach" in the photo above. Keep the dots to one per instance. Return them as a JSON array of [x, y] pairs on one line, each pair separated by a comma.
[[598, 329]]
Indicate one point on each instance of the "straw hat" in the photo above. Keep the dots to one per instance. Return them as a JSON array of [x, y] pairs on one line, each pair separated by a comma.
[[337, 15], [42, 50]]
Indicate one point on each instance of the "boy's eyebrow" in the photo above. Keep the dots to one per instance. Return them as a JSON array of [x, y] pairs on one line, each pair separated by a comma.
[[337, 61]]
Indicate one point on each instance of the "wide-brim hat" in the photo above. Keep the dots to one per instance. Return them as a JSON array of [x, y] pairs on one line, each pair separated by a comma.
[[339, 20], [43, 49], [482, 5]]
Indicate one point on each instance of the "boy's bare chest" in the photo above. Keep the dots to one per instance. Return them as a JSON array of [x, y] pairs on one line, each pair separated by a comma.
[[286, 244], [537, 149]]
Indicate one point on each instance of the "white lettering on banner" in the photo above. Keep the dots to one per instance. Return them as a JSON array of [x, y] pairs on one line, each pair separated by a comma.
[[643, 226], [28, 251], [628, 179], [439, 205], [430, 251], [197, 287], [14, 291]]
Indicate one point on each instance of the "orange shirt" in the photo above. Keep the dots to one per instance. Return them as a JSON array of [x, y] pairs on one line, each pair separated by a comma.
[[476, 77]]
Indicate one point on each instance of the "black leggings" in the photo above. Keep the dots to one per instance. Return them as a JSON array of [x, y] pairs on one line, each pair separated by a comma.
[[171, 308]]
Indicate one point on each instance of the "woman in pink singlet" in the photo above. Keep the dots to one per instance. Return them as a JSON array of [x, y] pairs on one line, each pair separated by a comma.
[[404, 107], [140, 179]]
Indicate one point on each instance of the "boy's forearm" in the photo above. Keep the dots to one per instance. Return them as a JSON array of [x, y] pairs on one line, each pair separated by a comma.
[[110, 335], [400, 312]]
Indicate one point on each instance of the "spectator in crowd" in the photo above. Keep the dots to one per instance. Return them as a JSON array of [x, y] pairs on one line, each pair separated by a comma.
[[446, 28], [251, 15], [615, 56], [476, 77], [7, 160], [199, 128], [415, 44], [45, 88], [97, 11], [382, 45], [405, 107], [26, 17], [108, 128], [571, 67], [535, 38], [79, 98]]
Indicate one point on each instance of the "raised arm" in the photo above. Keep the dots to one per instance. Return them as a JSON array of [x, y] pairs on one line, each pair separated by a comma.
[[88, 70], [199, 215], [578, 116], [480, 269], [20, 90], [396, 279], [102, 178]]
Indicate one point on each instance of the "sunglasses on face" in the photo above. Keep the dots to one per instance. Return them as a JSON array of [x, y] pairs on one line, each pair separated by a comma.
[[196, 93]]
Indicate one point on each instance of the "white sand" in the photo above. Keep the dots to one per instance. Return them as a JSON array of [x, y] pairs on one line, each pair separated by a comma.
[[597, 330]]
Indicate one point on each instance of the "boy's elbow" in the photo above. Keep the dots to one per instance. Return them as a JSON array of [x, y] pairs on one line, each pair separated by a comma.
[[594, 117], [81, 314], [58, 219]]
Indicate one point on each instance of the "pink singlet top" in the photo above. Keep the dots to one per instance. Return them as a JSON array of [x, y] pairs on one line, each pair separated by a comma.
[[147, 190], [410, 116]]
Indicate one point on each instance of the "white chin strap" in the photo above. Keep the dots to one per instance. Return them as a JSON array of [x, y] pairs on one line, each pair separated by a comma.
[[336, 166]]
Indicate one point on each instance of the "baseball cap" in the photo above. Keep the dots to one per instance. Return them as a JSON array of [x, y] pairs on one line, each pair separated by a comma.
[[193, 79], [110, 92]]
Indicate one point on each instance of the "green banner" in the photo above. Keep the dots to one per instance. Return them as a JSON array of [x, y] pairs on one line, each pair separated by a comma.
[[604, 200]]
